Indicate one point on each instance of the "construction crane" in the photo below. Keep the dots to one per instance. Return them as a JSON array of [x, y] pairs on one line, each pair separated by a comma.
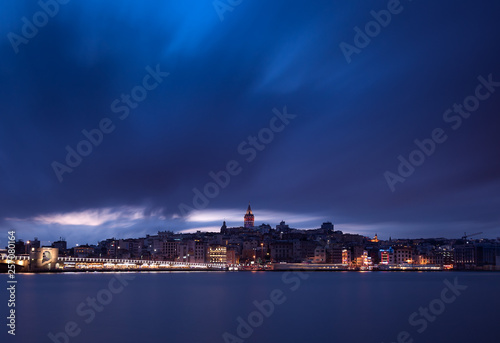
[[466, 235]]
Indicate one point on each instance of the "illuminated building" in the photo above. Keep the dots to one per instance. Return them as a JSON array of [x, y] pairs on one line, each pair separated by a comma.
[[328, 254], [249, 218], [356, 251], [364, 259], [421, 259], [346, 256], [386, 256], [44, 258], [320, 255], [217, 254], [375, 239]]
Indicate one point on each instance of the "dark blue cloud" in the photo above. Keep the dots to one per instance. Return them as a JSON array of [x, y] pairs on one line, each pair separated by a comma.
[[353, 119]]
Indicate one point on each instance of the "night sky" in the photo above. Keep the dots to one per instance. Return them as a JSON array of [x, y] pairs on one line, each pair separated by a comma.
[[264, 89]]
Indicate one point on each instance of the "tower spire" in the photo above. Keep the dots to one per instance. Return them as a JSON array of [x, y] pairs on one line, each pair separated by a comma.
[[249, 218]]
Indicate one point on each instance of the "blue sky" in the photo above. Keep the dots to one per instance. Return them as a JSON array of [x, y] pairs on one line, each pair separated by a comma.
[[352, 120]]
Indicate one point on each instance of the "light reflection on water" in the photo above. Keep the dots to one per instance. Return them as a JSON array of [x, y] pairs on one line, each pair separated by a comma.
[[201, 306]]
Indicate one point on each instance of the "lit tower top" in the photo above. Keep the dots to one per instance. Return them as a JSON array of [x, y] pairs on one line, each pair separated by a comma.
[[249, 218]]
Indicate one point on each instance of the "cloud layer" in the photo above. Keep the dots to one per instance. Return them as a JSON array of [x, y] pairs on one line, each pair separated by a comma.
[[353, 119]]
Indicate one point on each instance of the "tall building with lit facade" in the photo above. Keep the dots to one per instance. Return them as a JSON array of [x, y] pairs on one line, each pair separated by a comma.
[[346, 256], [249, 218], [386, 256], [217, 254]]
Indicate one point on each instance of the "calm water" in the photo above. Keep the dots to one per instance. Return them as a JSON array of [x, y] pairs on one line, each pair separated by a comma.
[[201, 306]]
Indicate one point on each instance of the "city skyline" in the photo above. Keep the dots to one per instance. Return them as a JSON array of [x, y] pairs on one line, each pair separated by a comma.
[[259, 247], [247, 221], [249, 170]]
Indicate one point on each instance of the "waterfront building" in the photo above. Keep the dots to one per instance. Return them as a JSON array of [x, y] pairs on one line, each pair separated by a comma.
[[320, 254], [346, 256], [192, 251], [281, 251], [334, 254], [386, 256], [232, 256], [249, 249], [403, 255], [130, 247], [217, 254], [303, 250], [465, 255], [170, 250], [486, 254]]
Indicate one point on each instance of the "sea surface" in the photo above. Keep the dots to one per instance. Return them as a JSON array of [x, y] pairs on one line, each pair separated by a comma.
[[224, 307]]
